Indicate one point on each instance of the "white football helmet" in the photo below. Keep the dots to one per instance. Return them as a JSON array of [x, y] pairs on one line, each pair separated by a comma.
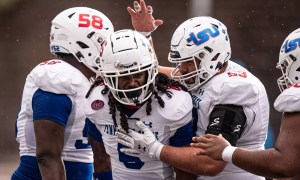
[[289, 57], [127, 53], [203, 38], [80, 31]]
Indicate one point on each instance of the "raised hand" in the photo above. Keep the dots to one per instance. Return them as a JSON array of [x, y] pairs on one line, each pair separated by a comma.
[[140, 143], [211, 145], [142, 18]]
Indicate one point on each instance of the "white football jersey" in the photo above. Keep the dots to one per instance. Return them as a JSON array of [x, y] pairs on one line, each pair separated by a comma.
[[163, 122], [289, 100], [57, 77], [239, 87]]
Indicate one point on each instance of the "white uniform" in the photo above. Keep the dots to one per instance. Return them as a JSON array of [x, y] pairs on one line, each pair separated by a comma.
[[166, 123], [289, 100], [239, 87], [58, 77]]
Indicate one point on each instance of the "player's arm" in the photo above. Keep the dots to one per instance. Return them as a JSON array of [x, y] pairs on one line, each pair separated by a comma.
[[185, 158], [102, 164], [50, 115], [281, 161]]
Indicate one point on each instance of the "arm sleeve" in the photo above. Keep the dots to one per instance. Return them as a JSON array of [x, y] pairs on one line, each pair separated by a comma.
[[51, 106], [228, 120]]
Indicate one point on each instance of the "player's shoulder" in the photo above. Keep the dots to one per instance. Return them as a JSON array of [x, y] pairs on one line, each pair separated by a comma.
[[96, 104], [288, 100], [176, 107], [236, 86], [58, 77]]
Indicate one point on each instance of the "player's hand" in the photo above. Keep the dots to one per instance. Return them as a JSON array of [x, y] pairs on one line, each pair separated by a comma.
[[211, 145], [140, 143], [142, 18]]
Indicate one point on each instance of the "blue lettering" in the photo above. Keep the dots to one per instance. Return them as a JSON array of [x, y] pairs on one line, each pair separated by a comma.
[[292, 45], [110, 129], [203, 36]]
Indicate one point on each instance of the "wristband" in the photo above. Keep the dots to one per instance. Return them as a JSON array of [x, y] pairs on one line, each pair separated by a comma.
[[227, 153], [158, 151], [107, 175]]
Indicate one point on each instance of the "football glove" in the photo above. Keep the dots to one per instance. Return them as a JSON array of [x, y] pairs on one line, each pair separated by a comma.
[[146, 143]]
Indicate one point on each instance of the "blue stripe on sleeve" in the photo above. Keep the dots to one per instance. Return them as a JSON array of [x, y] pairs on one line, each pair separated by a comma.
[[183, 136], [93, 131], [51, 106]]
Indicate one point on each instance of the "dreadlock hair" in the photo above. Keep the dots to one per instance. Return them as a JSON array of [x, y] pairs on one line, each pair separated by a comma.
[[162, 83], [96, 82]]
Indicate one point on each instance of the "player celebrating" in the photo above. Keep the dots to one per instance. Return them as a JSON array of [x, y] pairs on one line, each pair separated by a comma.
[[283, 159], [227, 98], [133, 93], [51, 125]]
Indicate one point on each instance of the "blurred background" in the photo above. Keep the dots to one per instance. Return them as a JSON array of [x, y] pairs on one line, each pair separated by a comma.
[[256, 29]]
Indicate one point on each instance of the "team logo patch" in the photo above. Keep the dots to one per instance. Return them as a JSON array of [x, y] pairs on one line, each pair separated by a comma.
[[97, 104]]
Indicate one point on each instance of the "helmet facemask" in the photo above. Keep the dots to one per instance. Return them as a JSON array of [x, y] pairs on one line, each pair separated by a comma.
[[133, 96], [127, 55], [284, 81]]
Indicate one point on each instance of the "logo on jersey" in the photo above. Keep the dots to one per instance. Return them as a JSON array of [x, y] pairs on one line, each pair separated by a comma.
[[97, 104], [215, 122], [196, 101], [203, 36], [291, 45]]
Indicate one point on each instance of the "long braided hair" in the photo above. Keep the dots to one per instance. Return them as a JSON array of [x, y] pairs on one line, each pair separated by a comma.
[[162, 83]]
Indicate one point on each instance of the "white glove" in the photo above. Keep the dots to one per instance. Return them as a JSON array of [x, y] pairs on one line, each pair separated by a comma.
[[140, 143]]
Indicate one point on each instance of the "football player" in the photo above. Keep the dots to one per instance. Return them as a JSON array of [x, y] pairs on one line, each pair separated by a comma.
[[227, 99], [51, 125], [133, 94], [283, 159]]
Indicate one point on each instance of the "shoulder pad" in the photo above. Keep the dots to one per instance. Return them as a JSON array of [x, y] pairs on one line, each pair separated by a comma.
[[234, 90], [96, 105], [58, 77], [178, 107], [288, 100]]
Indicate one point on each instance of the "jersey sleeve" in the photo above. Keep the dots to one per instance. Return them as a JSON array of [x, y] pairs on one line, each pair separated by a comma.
[[178, 109], [57, 76], [51, 106], [288, 100], [183, 136], [240, 93]]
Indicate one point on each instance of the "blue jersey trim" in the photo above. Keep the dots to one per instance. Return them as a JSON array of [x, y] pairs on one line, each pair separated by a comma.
[[183, 136], [29, 170], [93, 131], [51, 106]]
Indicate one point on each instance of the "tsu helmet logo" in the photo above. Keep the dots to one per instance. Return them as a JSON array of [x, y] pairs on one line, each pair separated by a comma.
[[203, 36], [292, 45]]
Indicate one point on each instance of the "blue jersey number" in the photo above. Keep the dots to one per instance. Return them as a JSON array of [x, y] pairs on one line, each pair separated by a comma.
[[79, 144], [130, 162]]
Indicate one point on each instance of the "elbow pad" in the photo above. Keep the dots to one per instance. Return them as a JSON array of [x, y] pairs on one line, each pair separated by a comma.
[[228, 120]]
